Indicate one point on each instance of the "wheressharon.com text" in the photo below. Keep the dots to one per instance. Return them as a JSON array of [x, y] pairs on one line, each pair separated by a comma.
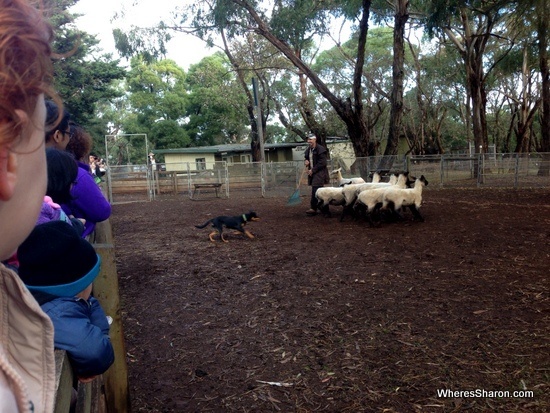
[[481, 393]]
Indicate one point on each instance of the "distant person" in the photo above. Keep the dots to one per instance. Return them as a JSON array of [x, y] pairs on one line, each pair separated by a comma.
[[152, 161], [27, 361], [88, 202], [97, 167], [58, 130], [59, 267], [317, 172]]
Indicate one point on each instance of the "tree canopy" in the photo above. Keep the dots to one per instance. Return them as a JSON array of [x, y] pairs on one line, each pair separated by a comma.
[[381, 85]]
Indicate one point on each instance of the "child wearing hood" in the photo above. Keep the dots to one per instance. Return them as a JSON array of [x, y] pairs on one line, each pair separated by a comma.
[[58, 267]]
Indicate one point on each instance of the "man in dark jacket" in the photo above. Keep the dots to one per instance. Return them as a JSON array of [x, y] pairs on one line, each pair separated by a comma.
[[316, 163]]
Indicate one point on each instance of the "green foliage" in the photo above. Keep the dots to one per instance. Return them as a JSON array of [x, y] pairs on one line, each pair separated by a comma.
[[83, 77], [209, 106], [149, 43], [217, 105], [158, 101], [296, 21]]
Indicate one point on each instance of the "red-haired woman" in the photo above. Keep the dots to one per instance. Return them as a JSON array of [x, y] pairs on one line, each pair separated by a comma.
[[27, 367]]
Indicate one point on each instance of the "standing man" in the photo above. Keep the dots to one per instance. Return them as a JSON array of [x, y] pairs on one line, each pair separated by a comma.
[[316, 163], [152, 161]]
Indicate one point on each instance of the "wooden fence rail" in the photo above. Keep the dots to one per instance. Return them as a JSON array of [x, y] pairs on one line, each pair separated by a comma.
[[110, 392]]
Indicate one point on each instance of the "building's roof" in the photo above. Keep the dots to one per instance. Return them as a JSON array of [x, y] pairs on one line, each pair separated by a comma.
[[234, 148], [221, 149]]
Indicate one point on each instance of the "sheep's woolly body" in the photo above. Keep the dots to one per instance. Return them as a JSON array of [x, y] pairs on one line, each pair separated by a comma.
[[345, 181], [401, 197], [373, 196], [330, 196], [351, 192]]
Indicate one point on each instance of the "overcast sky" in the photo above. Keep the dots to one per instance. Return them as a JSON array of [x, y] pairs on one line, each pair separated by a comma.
[[97, 19]]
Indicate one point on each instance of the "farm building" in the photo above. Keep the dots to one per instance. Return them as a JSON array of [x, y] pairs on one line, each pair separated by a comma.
[[204, 157]]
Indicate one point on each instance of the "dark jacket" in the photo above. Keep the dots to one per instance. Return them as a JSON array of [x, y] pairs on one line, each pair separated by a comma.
[[320, 175], [82, 330]]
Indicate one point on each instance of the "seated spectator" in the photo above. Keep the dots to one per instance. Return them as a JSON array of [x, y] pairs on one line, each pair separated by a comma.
[[58, 131], [62, 173], [88, 202], [27, 362], [58, 267]]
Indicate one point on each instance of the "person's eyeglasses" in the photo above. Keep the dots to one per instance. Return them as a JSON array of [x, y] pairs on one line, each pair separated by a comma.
[[68, 132]]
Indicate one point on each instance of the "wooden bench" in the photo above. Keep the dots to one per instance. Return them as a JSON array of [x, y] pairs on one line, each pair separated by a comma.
[[198, 187]]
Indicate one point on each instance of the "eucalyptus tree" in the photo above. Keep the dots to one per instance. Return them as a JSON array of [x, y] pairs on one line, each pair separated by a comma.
[[296, 26], [475, 28], [151, 43], [517, 80], [336, 65], [255, 62], [300, 17], [543, 36], [255, 57], [401, 16]]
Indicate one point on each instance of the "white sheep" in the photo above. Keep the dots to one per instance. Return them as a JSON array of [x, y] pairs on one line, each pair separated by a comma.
[[337, 173], [352, 191], [329, 196], [371, 198], [395, 198]]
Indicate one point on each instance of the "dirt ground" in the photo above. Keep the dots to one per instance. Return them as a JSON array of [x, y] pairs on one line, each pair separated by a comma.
[[317, 315]]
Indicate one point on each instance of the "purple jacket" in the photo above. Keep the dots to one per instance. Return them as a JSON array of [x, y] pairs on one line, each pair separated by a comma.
[[88, 201]]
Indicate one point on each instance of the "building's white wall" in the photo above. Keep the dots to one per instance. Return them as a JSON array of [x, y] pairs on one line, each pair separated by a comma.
[[341, 153], [179, 161]]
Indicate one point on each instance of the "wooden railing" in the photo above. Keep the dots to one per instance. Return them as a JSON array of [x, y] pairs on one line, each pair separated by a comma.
[[108, 393]]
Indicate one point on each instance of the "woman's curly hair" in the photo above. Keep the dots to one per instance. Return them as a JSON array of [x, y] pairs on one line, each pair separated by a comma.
[[26, 69], [80, 144]]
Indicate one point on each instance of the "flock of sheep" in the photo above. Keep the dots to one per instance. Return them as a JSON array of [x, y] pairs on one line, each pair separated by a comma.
[[374, 200]]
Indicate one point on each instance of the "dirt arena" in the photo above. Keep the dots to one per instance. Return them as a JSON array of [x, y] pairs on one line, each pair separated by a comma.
[[317, 315]]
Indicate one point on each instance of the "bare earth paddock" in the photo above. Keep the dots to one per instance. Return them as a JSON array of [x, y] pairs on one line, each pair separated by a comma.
[[317, 315]]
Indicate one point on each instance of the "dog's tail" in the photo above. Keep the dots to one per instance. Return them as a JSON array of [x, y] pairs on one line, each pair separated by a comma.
[[205, 224]]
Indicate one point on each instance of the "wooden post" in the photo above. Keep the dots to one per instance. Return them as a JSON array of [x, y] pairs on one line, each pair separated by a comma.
[[64, 382], [117, 393]]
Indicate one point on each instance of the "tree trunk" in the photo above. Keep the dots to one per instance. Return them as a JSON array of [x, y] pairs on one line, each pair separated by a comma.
[[255, 147], [526, 115], [396, 115], [309, 117], [421, 130], [349, 110], [543, 34]]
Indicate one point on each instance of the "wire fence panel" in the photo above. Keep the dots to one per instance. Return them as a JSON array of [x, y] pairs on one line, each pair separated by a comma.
[[282, 178], [139, 183], [517, 170], [128, 183]]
